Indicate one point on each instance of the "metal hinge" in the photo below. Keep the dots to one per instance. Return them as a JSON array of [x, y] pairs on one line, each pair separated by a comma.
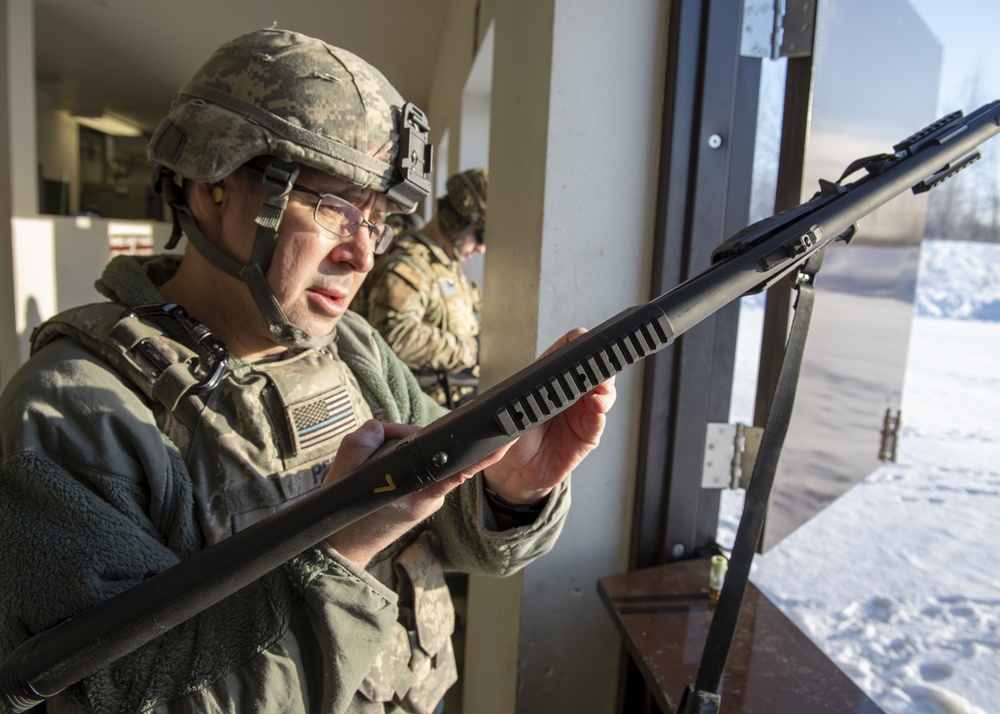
[[730, 455], [778, 28], [892, 425]]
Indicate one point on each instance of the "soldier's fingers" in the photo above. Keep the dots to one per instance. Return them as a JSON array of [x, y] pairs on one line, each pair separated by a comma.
[[358, 446], [398, 431], [602, 397], [564, 340], [362, 442]]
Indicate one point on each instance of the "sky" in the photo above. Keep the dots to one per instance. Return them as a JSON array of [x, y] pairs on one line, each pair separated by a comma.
[[968, 32], [897, 580]]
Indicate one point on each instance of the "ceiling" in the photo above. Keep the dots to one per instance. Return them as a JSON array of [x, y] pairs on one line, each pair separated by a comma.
[[129, 57]]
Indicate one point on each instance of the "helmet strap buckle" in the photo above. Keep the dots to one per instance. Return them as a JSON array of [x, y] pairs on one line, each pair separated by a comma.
[[279, 175], [165, 185]]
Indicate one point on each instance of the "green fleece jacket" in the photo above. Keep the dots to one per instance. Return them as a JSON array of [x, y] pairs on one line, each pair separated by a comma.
[[94, 499]]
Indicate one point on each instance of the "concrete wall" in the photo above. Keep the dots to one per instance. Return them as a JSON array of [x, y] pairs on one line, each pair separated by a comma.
[[47, 263], [17, 133], [59, 152], [575, 103], [56, 260]]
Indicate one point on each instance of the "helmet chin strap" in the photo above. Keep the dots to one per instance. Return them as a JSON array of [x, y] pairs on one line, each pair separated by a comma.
[[278, 179]]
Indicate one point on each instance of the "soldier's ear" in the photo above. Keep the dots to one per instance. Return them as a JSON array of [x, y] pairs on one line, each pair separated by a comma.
[[208, 205], [207, 197]]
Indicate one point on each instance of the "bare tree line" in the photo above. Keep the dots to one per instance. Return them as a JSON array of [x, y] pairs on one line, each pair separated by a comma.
[[965, 207]]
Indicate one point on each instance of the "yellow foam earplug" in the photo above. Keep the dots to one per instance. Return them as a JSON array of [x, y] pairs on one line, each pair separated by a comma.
[[217, 193]]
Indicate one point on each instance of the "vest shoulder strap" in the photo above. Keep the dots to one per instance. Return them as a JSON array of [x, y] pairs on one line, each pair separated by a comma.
[[163, 368]]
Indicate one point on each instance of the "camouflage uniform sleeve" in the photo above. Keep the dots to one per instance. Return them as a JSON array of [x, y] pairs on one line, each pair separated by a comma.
[[477, 298], [472, 542], [405, 306], [76, 532]]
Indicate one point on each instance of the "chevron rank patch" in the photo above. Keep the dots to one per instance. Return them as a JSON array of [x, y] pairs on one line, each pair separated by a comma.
[[323, 419]]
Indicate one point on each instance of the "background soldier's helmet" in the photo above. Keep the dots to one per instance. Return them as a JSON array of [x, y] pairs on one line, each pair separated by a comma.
[[465, 203], [284, 94]]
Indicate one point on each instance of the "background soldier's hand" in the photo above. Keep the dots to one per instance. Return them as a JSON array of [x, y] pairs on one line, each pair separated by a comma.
[[542, 458]]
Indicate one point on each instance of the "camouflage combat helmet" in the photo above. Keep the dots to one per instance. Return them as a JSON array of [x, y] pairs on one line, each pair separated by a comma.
[[297, 99], [465, 203]]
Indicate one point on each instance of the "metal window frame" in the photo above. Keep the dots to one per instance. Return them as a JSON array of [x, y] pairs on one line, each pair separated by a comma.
[[703, 196], [706, 162]]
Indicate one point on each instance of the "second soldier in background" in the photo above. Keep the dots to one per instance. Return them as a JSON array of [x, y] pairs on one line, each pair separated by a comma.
[[420, 300]]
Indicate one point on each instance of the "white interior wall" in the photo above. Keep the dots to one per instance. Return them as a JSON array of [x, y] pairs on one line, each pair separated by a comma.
[[56, 260], [35, 281], [59, 151], [47, 263], [475, 149], [18, 184], [576, 101], [518, 135], [455, 56], [8, 347], [442, 149], [82, 251], [475, 108]]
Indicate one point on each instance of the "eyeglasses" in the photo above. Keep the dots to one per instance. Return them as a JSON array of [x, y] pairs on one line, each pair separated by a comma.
[[343, 218]]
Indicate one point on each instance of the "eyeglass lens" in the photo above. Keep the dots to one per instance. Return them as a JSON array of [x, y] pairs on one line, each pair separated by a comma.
[[344, 219], [341, 217]]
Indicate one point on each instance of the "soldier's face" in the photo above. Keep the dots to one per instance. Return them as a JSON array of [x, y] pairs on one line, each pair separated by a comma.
[[315, 274], [467, 244]]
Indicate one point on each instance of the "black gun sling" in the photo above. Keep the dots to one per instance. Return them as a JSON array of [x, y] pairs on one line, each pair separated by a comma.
[[703, 697]]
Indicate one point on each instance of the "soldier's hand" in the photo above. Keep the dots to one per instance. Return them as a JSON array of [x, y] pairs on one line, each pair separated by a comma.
[[363, 539], [545, 456]]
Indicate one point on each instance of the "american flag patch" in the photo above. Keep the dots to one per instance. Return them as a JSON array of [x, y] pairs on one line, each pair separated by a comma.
[[448, 287], [322, 419]]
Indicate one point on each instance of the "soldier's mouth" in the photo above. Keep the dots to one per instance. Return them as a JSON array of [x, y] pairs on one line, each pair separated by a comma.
[[333, 303]]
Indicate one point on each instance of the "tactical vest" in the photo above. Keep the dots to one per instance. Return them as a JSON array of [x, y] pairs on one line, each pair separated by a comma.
[[453, 306], [461, 297], [462, 301], [257, 437]]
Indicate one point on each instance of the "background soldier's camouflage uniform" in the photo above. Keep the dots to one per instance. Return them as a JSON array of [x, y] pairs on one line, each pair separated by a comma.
[[421, 301], [427, 310]]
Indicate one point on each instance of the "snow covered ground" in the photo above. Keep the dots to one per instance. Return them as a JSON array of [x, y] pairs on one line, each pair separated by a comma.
[[898, 581]]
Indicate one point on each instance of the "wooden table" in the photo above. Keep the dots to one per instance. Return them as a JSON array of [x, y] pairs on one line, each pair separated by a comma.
[[663, 615]]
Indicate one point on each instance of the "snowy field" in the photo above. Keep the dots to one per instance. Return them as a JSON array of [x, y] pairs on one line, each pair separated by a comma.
[[898, 581]]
